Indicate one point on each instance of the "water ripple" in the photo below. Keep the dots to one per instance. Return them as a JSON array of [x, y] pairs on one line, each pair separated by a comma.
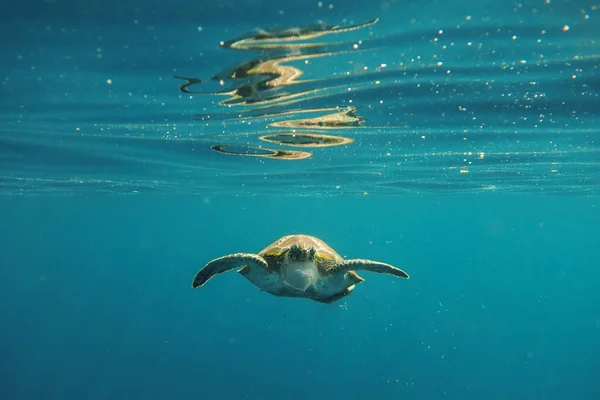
[[360, 109]]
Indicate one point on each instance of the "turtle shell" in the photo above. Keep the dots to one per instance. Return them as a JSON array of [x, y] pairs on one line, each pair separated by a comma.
[[275, 252]]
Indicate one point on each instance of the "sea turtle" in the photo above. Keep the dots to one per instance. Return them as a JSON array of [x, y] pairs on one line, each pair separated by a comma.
[[297, 266]]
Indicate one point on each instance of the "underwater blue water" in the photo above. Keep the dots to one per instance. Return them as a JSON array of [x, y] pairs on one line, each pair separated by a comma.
[[472, 163]]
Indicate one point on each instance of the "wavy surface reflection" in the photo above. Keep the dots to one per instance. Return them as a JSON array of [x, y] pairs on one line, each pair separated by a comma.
[[500, 99], [272, 79], [249, 151], [306, 139]]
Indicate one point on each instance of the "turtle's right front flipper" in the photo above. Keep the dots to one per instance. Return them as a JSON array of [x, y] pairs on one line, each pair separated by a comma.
[[373, 266], [226, 263]]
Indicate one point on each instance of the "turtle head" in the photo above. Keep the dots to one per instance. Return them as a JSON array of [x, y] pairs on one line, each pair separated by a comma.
[[300, 271], [297, 253]]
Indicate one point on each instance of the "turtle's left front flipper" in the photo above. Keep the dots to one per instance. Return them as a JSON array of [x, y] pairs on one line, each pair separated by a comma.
[[226, 263], [373, 266]]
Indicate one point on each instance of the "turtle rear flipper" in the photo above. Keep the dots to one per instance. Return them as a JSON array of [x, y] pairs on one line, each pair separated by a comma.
[[226, 263], [373, 266], [337, 296]]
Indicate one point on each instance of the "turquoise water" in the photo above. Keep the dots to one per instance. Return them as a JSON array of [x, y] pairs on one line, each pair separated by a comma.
[[134, 148]]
